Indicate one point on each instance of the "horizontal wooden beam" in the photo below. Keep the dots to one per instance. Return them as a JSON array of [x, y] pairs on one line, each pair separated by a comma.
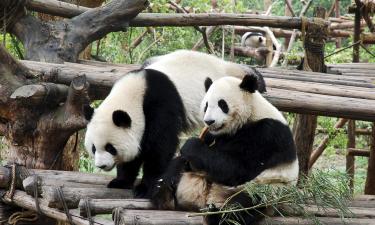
[[54, 7], [334, 95], [25, 201], [358, 152]]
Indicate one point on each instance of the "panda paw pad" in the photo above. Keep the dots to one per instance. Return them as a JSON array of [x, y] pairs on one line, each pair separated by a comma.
[[119, 183]]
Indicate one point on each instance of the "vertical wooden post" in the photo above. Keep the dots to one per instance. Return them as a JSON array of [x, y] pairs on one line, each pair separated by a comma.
[[305, 125], [357, 33], [350, 161], [267, 4], [370, 180], [287, 13], [337, 14]]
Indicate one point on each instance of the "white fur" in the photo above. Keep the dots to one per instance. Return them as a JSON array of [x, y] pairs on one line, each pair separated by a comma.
[[186, 69], [282, 174], [127, 95], [243, 106], [253, 41]]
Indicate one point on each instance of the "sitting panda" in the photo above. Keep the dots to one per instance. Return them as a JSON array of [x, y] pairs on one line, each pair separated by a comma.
[[253, 40], [248, 140], [140, 120]]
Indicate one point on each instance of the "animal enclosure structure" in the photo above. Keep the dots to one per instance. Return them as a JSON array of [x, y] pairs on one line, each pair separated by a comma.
[[42, 101]]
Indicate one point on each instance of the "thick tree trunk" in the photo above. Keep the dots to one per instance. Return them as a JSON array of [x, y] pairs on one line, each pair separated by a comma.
[[59, 41], [38, 118]]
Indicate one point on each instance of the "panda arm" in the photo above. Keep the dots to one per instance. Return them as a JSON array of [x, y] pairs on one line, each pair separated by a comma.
[[222, 166]]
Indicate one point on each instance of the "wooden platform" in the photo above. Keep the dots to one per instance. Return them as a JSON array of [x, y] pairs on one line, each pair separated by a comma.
[[76, 191], [347, 95]]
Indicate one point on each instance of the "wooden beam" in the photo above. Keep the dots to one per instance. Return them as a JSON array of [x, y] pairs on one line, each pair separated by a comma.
[[350, 160], [358, 152], [106, 206], [56, 8], [370, 180], [25, 201], [166, 19]]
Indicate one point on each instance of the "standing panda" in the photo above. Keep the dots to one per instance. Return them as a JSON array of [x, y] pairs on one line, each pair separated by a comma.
[[248, 140], [139, 122], [253, 40]]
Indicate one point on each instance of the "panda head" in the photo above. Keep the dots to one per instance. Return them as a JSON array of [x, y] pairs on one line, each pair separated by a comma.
[[253, 40], [230, 103], [110, 137]]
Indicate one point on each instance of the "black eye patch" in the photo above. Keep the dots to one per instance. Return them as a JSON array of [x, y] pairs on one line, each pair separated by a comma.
[[205, 108], [93, 149], [223, 105], [110, 149]]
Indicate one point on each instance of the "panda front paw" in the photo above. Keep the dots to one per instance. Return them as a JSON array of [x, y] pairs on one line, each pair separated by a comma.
[[120, 183], [162, 196], [192, 147], [141, 191]]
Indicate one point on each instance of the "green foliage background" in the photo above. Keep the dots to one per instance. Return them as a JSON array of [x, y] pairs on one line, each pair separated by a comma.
[[115, 48]]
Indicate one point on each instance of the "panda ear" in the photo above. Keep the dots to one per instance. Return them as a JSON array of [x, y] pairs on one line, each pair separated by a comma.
[[88, 111], [121, 119], [249, 83], [207, 83]]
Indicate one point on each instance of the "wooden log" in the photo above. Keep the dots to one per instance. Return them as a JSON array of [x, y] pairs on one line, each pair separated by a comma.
[[74, 195], [350, 160], [370, 180], [106, 206], [63, 176], [323, 220], [201, 19], [358, 152], [56, 8], [358, 131], [154, 217], [30, 182], [25, 201], [317, 88]]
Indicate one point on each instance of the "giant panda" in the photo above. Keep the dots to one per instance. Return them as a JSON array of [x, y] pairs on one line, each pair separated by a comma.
[[248, 140], [253, 40], [139, 122]]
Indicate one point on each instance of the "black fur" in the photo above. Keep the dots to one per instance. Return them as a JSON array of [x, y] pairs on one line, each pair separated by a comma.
[[88, 111], [236, 159], [249, 83], [261, 83], [121, 119], [207, 83], [223, 105], [165, 118], [109, 148], [233, 160]]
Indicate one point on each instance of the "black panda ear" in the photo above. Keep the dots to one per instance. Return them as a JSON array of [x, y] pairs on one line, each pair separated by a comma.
[[121, 119], [207, 83], [260, 39], [249, 83], [88, 111]]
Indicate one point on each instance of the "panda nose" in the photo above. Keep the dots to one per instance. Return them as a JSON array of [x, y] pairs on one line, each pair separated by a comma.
[[209, 122], [102, 167]]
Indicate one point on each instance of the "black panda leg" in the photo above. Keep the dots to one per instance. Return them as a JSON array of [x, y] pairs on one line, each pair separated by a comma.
[[126, 174], [163, 193]]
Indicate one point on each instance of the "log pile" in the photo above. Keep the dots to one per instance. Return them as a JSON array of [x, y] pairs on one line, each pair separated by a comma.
[[94, 199], [98, 199], [338, 95]]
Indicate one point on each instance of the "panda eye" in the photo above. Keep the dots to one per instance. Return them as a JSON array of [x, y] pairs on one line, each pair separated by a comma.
[[110, 149], [205, 108], [223, 105], [93, 149]]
